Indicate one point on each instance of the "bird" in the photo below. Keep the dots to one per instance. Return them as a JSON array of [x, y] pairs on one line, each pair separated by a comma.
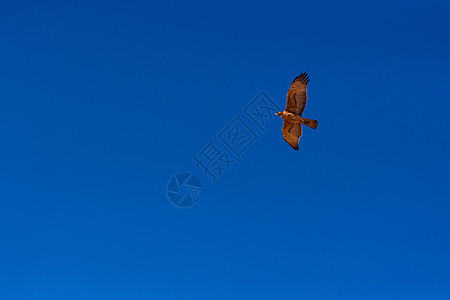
[[292, 114]]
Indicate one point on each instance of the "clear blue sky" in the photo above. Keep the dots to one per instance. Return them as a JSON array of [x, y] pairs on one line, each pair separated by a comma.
[[103, 102]]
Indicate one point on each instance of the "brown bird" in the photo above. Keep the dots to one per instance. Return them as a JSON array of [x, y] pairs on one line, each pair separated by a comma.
[[292, 114]]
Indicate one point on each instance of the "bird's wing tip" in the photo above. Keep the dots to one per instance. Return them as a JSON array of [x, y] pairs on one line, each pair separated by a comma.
[[303, 78]]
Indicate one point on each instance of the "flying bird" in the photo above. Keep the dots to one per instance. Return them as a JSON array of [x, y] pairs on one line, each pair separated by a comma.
[[292, 114]]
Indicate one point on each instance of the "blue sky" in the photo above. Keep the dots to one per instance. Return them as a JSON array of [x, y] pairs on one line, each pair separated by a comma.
[[103, 102]]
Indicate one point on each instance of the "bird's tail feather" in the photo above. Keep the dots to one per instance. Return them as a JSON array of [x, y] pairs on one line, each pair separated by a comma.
[[309, 122]]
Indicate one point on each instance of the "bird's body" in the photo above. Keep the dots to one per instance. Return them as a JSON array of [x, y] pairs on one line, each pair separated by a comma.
[[294, 118], [292, 114]]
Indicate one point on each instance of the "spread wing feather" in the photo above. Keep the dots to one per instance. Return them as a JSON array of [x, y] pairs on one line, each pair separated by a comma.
[[292, 133], [296, 98]]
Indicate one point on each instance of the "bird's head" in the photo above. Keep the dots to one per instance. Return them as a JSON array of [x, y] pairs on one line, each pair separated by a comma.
[[280, 113]]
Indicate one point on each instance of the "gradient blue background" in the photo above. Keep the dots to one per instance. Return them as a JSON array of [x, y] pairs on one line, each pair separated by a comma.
[[102, 102]]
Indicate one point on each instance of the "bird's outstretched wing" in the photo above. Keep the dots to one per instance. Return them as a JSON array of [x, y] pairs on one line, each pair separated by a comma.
[[292, 133], [296, 98]]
